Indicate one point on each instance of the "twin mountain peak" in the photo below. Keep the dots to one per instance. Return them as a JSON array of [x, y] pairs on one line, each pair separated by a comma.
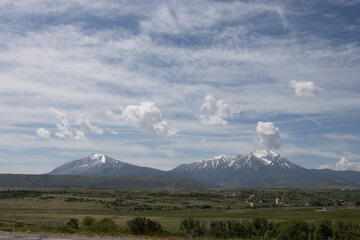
[[100, 164], [263, 168]]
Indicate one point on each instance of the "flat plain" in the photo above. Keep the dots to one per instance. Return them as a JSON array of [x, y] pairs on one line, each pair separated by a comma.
[[53, 208]]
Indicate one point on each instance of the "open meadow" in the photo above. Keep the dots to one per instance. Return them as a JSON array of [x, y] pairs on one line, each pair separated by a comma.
[[51, 209]]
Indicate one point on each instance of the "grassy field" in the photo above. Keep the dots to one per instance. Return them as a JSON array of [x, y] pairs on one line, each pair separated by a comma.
[[56, 207]]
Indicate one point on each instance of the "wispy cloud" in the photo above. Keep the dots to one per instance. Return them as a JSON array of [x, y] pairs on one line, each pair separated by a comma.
[[114, 132], [347, 137], [87, 126], [313, 120], [64, 128]]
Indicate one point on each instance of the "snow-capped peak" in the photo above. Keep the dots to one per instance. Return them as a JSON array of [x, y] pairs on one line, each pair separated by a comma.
[[224, 158], [215, 162], [264, 153], [98, 157]]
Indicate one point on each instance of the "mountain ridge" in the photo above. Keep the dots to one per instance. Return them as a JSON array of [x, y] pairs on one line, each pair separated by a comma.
[[262, 168], [98, 164]]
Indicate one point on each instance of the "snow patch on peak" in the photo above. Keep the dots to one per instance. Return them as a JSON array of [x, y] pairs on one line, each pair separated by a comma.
[[264, 153], [99, 157], [219, 158]]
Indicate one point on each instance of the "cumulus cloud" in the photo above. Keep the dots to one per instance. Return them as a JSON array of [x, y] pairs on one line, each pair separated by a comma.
[[43, 132], [342, 164], [268, 135], [305, 89], [87, 126], [112, 116], [214, 112], [65, 130], [147, 117]]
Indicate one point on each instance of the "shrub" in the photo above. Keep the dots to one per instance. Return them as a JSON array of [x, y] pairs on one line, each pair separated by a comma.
[[236, 229], [323, 230], [73, 223], [66, 229], [260, 225], [218, 229], [142, 226], [295, 229], [105, 225], [205, 206], [192, 228], [347, 231], [88, 221]]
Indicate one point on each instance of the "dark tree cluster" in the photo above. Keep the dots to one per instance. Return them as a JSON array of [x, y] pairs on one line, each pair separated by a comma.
[[261, 228]]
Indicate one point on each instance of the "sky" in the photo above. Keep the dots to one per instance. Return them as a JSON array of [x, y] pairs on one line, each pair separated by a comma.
[[161, 83]]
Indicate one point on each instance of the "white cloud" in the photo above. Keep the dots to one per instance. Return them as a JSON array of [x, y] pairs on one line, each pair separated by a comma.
[[147, 117], [268, 134], [305, 89], [342, 164], [342, 137], [65, 130], [214, 112], [43, 132], [79, 135], [111, 115], [176, 17], [114, 132], [87, 126], [172, 132]]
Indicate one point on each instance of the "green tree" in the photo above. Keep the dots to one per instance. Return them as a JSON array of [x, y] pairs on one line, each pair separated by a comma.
[[73, 223], [142, 226], [218, 229], [236, 229], [192, 228], [105, 225], [323, 230], [260, 225], [88, 221], [294, 229]]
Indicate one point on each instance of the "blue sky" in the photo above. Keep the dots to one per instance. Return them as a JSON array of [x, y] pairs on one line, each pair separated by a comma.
[[160, 83]]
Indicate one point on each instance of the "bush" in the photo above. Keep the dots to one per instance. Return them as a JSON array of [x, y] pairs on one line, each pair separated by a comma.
[[142, 226], [205, 206], [105, 225], [218, 229], [323, 230], [260, 225], [192, 228], [346, 231], [88, 221], [236, 229], [73, 223], [295, 229], [66, 229]]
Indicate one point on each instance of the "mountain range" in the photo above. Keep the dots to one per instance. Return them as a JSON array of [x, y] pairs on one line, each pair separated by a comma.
[[263, 168]]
